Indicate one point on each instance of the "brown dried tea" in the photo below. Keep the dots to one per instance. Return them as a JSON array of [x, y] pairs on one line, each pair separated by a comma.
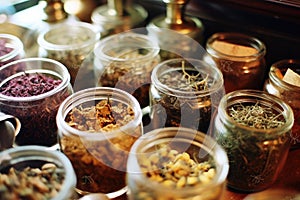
[[183, 106], [100, 163]]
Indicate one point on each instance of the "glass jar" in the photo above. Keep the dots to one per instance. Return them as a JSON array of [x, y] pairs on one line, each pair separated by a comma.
[[253, 127], [240, 57], [185, 92], [40, 162], [35, 104], [71, 44], [276, 85], [98, 143], [125, 61], [11, 49], [163, 150]]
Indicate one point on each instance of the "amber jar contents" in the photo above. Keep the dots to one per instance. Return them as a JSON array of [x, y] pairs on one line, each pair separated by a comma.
[[97, 127], [240, 58], [277, 85], [254, 129]]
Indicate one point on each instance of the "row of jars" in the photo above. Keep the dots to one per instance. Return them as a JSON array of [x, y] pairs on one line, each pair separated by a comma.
[[191, 80]]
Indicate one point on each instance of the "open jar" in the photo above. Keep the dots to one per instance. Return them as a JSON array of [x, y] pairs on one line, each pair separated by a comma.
[[240, 57], [11, 49], [97, 127], [71, 44], [184, 92], [125, 61], [176, 163], [278, 85], [254, 128], [34, 172], [32, 89]]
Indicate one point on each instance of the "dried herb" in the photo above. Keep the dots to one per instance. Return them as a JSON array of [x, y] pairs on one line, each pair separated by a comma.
[[4, 49], [132, 75], [100, 164], [197, 109], [254, 157], [36, 116], [31, 183]]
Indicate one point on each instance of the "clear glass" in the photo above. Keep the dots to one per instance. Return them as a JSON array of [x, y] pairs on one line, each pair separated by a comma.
[[70, 44], [35, 157], [256, 155], [125, 61], [289, 93], [177, 98], [240, 57], [198, 145], [99, 158], [36, 113], [11, 49]]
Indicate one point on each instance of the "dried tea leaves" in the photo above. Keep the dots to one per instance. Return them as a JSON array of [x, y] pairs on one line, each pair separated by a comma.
[[292, 78]]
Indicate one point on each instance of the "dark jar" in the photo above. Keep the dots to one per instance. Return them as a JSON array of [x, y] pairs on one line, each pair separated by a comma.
[[276, 85], [240, 57], [36, 112], [184, 92], [257, 149]]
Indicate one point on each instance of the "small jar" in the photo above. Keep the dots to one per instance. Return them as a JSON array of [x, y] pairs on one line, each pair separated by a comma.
[[32, 90], [276, 85], [125, 61], [254, 128], [240, 57], [185, 92], [39, 164], [11, 49], [71, 44], [159, 158], [97, 127]]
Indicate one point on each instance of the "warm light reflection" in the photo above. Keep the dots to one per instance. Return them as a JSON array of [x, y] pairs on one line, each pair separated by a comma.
[[73, 6]]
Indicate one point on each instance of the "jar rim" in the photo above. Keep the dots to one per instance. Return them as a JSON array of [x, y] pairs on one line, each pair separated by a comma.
[[277, 80], [152, 46], [187, 94], [89, 28], [17, 47], [253, 41], [65, 78], [68, 104], [186, 135], [258, 96], [38, 152]]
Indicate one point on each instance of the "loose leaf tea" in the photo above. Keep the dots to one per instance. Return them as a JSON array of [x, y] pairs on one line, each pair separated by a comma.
[[4, 49], [197, 108], [31, 183], [100, 162], [36, 116], [254, 157], [28, 85]]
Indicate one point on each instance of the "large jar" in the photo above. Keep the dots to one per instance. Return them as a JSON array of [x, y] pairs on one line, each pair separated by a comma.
[[254, 128], [32, 89], [287, 91], [71, 44], [97, 127], [35, 172], [176, 163], [11, 49], [240, 57], [125, 61], [184, 92]]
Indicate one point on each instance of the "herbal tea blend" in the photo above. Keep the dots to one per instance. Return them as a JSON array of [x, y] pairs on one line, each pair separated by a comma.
[[33, 95], [31, 183], [100, 162], [183, 94], [254, 129]]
